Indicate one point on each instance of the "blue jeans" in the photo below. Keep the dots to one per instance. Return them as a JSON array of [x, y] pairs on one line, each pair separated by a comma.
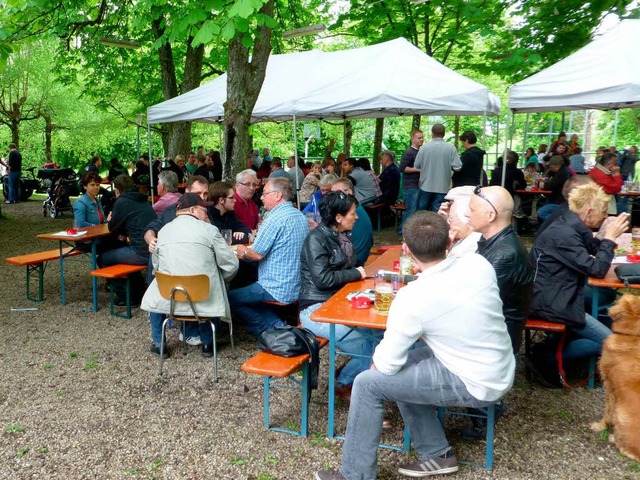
[[546, 210], [430, 200], [359, 341], [14, 187], [126, 255], [410, 197], [587, 342], [206, 335], [247, 306], [418, 388]]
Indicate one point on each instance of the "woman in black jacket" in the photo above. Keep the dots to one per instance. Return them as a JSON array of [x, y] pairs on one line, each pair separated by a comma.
[[563, 256], [327, 264]]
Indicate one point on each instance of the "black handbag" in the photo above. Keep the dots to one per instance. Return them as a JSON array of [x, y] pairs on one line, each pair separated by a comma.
[[628, 273], [288, 341]]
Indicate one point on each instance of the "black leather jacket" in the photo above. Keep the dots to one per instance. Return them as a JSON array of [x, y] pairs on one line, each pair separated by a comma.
[[324, 266], [514, 272], [564, 255]]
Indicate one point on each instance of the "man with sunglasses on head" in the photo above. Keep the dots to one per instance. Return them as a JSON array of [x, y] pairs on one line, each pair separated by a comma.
[[246, 209], [490, 211], [277, 249]]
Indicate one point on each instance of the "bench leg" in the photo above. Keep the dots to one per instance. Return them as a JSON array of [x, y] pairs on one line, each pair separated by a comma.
[[379, 218], [265, 401], [305, 401], [40, 269], [491, 420], [215, 353], [162, 345]]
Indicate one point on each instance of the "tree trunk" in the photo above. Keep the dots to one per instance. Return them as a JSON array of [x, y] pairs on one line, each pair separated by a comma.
[[15, 132], [415, 123], [348, 135], [456, 131], [48, 130], [178, 139], [377, 145], [245, 75]]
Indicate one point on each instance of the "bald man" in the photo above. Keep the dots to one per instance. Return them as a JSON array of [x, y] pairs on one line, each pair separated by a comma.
[[490, 210]]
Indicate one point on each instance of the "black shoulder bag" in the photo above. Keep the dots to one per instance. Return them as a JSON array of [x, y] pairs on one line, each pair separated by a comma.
[[628, 273], [288, 341]]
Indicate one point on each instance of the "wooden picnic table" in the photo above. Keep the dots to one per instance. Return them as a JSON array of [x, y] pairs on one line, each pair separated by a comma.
[[533, 192], [91, 234], [338, 310]]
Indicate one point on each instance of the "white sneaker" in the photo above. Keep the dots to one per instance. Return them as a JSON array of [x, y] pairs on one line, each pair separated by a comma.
[[194, 341]]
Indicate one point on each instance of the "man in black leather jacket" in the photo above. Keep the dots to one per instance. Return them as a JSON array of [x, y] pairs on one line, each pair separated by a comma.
[[490, 212]]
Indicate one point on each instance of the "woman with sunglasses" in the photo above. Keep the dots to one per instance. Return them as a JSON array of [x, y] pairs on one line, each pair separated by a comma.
[[327, 264]]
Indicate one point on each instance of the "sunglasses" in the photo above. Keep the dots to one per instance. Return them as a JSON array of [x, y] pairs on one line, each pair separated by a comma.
[[478, 191]]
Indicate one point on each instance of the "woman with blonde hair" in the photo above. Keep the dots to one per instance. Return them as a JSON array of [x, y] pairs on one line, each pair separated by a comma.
[[564, 255]]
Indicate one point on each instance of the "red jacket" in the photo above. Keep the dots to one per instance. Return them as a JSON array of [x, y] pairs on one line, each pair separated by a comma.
[[610, 184]]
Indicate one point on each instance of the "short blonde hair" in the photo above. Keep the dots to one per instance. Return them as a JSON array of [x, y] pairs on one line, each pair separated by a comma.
[[586, 196]]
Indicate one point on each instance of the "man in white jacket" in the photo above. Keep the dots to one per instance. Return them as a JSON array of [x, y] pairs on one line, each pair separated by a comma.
[[453, 307], [190, 245]]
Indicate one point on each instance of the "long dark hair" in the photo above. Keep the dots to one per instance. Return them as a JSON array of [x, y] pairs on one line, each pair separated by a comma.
[[333, 204]]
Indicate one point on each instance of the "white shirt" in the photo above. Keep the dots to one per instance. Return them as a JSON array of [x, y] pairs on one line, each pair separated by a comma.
[[455, 308]]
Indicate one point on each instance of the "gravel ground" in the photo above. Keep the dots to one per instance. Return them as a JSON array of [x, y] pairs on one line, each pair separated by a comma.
[[80, 397]]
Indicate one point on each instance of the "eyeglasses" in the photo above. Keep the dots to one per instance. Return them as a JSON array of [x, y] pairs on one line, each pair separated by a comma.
[[264, 194], [232, 197], [478, 191], [249, 185]]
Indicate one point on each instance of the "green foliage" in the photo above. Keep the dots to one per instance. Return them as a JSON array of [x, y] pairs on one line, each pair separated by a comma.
[[13, 428]]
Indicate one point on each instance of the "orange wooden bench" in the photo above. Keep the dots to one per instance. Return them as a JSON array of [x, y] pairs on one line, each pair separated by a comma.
[[377, 209], [38, 262], [272, 367], [118, 271], [536, 325], [288, 312], [398, 209]]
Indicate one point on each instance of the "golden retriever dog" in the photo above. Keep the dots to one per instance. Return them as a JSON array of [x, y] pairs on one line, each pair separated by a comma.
[[619, 368]]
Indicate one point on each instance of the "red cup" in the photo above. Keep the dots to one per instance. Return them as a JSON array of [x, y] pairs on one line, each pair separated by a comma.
[[360, 301], [534, 189], [396, 265], [71, 231]]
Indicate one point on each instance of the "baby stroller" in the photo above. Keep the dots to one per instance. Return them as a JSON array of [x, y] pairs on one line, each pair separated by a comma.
[[64, 184]]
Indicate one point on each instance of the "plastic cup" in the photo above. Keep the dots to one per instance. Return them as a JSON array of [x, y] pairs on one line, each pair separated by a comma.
[[227, 235]]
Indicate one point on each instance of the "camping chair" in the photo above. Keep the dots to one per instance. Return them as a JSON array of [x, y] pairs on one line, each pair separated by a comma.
[[185, 288]]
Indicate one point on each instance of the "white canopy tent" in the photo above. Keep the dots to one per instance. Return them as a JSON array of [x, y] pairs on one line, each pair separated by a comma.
[[577, 82], [393, 78]]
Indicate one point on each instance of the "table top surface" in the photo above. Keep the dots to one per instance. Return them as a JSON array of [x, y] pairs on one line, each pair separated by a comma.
[[91, 233], [628, 194], [339, 310]]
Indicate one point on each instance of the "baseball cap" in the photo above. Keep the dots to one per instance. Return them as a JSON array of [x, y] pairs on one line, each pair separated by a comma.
[[188, 200]]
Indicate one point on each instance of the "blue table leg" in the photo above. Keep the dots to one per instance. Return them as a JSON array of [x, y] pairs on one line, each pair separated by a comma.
[[63, 296], [94, 280], [594, 313], [332, 373]]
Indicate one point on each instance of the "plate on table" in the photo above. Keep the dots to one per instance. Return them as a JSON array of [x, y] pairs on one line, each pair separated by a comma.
[[364, 293]]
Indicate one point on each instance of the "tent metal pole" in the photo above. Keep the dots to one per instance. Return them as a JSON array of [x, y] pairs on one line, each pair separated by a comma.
[[510, 135], [586, 129], [507, 134], [295, 157], [615, 128], [497, 141], [562, 123], [524, 141], [150, 161], [484, 141]]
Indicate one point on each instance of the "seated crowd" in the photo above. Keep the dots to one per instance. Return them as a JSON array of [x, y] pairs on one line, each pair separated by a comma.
[[452, 335]]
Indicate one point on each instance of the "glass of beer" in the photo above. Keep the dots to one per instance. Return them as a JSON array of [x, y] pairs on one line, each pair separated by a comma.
[[384, 297], [635, 241]]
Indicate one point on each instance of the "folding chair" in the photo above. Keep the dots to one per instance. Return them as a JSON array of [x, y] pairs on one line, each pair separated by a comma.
[[190, 289]]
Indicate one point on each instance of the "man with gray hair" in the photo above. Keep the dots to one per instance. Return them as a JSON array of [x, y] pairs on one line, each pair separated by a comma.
[[167, 190], [256, 160], [277, 250], [246, 209]]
